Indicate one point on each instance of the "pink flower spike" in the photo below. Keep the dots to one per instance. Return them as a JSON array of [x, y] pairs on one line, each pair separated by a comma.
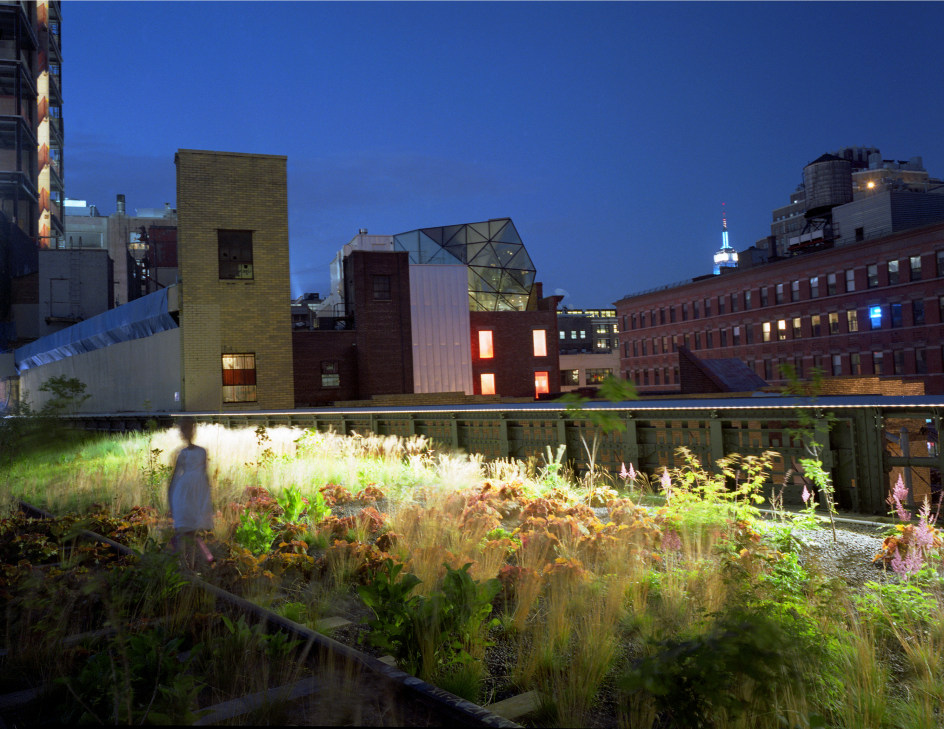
[[806, 495], [632, 472], [671, 541], [624, 474], [898, 496], [666, 481]]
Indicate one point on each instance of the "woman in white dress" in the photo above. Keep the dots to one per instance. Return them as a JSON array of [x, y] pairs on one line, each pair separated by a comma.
[[188, 495]]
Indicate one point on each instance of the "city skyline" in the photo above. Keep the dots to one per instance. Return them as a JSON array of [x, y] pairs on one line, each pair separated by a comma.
[[607, 132]]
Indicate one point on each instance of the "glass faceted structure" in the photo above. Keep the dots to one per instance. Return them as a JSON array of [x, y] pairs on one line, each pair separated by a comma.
[[501, 273]]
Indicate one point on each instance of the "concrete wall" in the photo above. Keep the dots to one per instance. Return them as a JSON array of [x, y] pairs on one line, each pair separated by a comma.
[[73, 286], [118, 378], [230, 191], [588, 360]]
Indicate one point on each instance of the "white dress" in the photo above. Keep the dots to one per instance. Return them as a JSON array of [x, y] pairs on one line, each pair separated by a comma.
[[190, 491]]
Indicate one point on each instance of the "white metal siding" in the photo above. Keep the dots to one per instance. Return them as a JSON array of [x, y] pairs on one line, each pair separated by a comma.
[[442, 344]]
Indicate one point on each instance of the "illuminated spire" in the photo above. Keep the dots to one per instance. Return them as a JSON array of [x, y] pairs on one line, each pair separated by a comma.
[[726, 257]]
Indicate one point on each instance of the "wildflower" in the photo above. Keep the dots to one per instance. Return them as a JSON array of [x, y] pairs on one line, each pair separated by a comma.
[[907, 565], [898, 495], [666, 484], [629, 475], [806, 495], [671, 540]]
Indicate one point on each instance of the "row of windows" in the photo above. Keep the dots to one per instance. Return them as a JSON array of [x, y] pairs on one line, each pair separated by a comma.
[[888, 316], [895, 362], [487, 348], [594, 376], [542, 383], [817, 286]]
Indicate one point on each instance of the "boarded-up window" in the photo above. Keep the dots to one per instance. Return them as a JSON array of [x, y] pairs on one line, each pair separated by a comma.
[[239, 378]]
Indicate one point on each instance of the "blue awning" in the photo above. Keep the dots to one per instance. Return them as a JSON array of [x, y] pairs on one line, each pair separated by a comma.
[[134, 320]]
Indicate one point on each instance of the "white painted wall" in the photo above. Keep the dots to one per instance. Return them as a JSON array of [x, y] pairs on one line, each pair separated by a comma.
[[119, 378], [442, 339]]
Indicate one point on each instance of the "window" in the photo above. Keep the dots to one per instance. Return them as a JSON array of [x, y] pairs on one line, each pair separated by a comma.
[[563, 334], [486, 351], [487, 383], [570, 378], [749, 333], [917, 312], [921, 361], [632, 321], [720, 304], [239, 378], [914, 263], [798, 365], [734, 303], [763, 296], [330, 377], [859, 235], [896, 316], [708, 340], [852, 320], [235, 250], [708, 305], [635, 348], [655, 377], [724, 337], [875, 317], [573, 333], [596, 376], [940, 309], [831, 284], [694, 310], [644, 352], [539, 338], [940, 262], [892, 273], [766, 328], [778, 296], [684, 312], [583, 333], [675, 343], [855, 363], [736, 336], [878, 363], [747, 300], [871, 272], [381, 285], [665, 346], [797, 327], [672, 314], [898, 362], [662, 316], [814, 287], [768, 370], [645, 377], [837, 364], [850, 280], [795, 290], [834, 322], [541, 384], [815, 329], [698, 339], [781, 329]]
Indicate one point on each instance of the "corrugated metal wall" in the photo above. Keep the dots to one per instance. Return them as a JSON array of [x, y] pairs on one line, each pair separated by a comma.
[[442, 348]]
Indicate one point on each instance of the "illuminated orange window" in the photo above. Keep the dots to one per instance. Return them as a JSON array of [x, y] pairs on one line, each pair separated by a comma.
[[487, 379], [541, 383], [539, 336], [485, 344]]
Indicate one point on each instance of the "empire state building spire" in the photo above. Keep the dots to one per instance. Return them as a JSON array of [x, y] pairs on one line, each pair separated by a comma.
[[726, 257]]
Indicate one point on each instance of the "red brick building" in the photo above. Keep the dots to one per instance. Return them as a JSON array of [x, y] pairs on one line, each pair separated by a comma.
[[871, 308]]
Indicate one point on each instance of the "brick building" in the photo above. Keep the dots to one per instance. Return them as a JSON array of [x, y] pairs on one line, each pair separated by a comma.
[[870, 308]]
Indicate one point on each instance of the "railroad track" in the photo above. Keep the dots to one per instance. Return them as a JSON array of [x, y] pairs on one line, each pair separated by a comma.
[[385, 694]]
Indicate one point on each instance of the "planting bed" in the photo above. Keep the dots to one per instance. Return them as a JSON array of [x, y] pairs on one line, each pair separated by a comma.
[[514, 582]]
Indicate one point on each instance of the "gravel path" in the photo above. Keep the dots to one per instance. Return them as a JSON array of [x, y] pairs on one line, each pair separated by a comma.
[[850, 557]]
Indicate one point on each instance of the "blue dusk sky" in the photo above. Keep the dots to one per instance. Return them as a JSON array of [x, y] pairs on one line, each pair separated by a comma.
[[610, 133]]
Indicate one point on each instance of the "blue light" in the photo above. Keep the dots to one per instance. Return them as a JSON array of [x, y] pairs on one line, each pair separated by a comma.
[[875, 315]]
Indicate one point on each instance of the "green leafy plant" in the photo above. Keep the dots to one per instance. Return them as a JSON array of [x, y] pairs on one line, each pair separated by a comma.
[[68, 393], [254, 532], [292, 503], [812, 429]]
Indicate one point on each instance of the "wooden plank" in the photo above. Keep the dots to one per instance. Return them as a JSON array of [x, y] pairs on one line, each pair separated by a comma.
[[516, 706]]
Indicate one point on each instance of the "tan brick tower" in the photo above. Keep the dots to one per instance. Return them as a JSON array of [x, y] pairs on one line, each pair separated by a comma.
[[234, 270]]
